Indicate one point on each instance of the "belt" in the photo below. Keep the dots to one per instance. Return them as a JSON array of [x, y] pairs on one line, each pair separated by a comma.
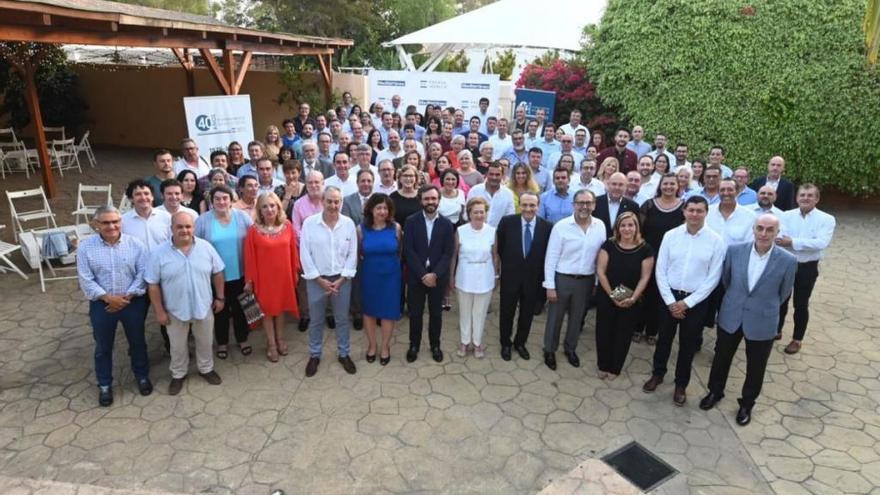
[[576, 277], [681, 293]]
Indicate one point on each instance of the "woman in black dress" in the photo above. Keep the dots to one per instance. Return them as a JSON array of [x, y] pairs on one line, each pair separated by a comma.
[[624, 261], [406, 197], [659, 215]]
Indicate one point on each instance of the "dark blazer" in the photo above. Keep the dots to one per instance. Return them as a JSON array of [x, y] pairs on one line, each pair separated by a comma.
[[353, 209], [602, 213], [785, 199], [516, 269], [416, 250], [756, 310]]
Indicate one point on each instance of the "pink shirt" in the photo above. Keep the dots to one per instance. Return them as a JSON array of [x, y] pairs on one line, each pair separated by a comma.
[[304, 208]]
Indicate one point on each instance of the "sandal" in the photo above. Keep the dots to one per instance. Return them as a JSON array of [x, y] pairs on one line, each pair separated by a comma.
[[246, 350], [282, 348], [272, 354], [222, 353]]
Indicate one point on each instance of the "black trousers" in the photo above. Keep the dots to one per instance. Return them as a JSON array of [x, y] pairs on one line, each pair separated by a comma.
[[713, 304], [690, 330], [614, 330], [525, 296], [231, 311], [757, 355], [804, 281], [648, 322], [416, 294]]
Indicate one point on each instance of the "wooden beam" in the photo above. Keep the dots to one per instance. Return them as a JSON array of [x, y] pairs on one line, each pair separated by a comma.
[[33, 101], [185, 59], [215, 71], [46, 19], [326, 72], [242, 71], [270, 46], [229, 70]]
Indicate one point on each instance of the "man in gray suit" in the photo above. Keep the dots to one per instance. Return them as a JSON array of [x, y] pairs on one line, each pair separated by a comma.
[[757, 277], [353, 208]]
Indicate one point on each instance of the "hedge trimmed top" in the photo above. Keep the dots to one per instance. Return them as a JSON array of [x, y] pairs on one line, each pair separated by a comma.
[[783, 77]]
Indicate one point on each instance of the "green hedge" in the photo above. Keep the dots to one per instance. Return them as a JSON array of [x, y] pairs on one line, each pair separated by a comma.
[[768, 77]]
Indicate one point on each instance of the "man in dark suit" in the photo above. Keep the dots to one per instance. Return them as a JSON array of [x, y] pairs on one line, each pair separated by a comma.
[[353, 208], [521, 242], [757, 277], [611, 204], [428, 246], [785, 190]]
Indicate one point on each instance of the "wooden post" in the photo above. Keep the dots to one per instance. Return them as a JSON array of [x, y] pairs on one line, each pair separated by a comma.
[[28, 72], [327, 73], [186, 61]]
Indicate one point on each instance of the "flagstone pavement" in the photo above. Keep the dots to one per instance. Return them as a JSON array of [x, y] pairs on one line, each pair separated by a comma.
[[463, 426]]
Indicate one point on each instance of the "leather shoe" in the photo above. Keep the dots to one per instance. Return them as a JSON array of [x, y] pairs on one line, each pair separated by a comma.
[[105, 396], [412, 354], [358, 322], [679, 397], [303, 324], [793, 347], [145, 386], [211, 377], [175, 386], [347, 364], [437, 354], [710, 400], [743, 415], [331, 322], [652, 383], [505, 352], [312, 366], [550, 360], [522, 351], [573, 359]]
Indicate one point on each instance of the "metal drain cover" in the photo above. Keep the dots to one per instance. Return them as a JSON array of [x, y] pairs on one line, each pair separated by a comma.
[[640, 466]]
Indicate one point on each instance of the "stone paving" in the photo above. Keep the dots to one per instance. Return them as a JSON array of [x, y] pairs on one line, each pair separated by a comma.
[[463, 426]]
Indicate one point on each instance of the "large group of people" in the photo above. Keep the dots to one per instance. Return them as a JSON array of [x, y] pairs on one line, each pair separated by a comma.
[[352, 218]]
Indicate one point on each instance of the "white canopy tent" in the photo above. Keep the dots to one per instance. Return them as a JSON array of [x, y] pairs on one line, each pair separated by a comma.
[[525, 24]]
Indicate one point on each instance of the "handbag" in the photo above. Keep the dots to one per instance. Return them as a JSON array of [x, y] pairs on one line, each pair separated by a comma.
[[251, 308], [620, 293]]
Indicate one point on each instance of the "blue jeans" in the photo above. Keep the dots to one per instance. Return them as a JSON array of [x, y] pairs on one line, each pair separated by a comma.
[[104, 330], [318, 305]]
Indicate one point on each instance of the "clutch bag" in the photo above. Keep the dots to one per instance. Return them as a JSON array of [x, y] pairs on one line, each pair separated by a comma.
[[251, 308], [620, 293]]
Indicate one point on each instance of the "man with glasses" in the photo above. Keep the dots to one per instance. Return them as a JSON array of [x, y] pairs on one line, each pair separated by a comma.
[[386, 183], [566, 144], [587, 179], [192, 160], [518, 153], [711, 183], [570, 275]]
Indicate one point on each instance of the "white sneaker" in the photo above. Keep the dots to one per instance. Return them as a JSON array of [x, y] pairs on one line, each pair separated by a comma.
[[479, 352], [462, 350]]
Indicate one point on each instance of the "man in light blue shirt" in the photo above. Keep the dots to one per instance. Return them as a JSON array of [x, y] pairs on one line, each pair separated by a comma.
[[744, 194], [540, 173], [180, 274], [549, 144], [556, 203], [716, 157], [518, 153], [637, 144]]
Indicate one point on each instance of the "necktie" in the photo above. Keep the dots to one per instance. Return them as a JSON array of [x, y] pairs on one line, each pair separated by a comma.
[[528, 239]]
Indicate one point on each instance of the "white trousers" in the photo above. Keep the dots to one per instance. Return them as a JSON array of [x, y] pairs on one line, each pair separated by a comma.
[[203, 333], [472, 310]]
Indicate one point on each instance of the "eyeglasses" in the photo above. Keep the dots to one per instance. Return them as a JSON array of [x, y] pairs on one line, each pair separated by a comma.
[[583, 203], [108, 222]]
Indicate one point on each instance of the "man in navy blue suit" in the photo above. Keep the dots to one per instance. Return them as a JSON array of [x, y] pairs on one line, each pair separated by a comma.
[[428, 245]]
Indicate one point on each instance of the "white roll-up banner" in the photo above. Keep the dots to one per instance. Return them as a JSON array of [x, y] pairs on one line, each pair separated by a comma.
[[215, 121]]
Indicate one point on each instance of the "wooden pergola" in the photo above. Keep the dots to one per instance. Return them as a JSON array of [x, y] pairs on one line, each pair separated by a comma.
[[98, 22]]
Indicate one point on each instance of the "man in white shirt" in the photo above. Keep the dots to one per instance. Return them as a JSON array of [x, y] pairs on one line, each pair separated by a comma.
[[343, 179], [688, 269], [540, 120], [638, 145], [587, 179], [397, 105], [806, 232], [362, 160], [484, 115], [191, 160], [574, 123], [660, 147], [634, 188], [566, 143], [501, 140], [392, 149], [500, 198], [266, 176], [681, 158], [172, 192], [386, 183], [570, 275], [648, 180], [766, 198], [328, 253]]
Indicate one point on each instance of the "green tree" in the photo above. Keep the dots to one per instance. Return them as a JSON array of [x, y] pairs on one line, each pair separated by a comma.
[[501, 64], [774, 77], [457, 62], [203, 7]]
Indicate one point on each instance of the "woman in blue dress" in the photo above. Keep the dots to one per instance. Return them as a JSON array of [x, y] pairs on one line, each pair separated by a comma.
[[380, 241]]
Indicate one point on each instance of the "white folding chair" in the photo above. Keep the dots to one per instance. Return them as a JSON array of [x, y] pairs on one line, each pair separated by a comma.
[[44, 212], [64, 155], [124, 204], [25, 160], [33, 242], [85, 146], [7, 134], [101, 196], [55, 130], [5, 164], [5, 250]]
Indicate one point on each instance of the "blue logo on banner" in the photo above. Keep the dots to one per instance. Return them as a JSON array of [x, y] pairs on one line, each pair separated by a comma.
[[474, 86], [391, 82], [205, 122], [535, 99]]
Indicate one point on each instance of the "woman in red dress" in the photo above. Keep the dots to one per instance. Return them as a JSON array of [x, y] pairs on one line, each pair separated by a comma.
[[271, 264]]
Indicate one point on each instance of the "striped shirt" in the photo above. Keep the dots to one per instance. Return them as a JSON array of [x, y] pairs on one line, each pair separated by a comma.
[[115, 269]]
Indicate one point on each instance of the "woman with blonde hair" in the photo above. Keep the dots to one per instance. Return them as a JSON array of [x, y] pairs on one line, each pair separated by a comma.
[[468, 173], [607, 168], [521, 180], [474, 269], [272, 145], [271, 266]]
